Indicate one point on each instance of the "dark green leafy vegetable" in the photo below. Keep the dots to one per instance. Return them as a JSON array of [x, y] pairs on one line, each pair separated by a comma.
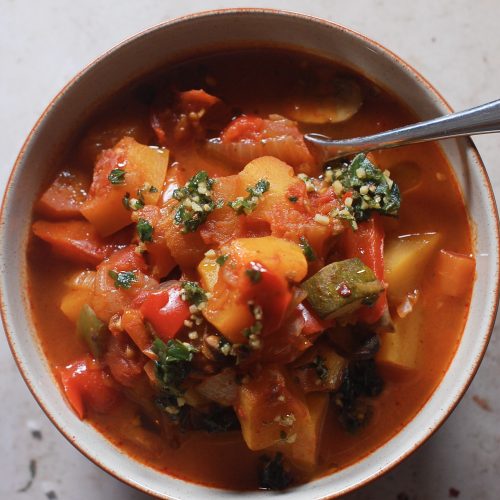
[[273, 474], [195, 202], [144, 230], [123, 279], [342, 287], [307, 249], [293, 199], [370, 189], [117, 176], [360, 382], [247, 205], [193, 293], [92, 330]]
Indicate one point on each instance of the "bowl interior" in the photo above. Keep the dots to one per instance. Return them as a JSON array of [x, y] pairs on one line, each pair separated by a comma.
[[151, 50]]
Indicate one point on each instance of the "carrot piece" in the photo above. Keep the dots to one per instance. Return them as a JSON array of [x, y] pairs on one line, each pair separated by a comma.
[[367, 243], [454, 273], [76, 240], [64, 197], [86, 384]]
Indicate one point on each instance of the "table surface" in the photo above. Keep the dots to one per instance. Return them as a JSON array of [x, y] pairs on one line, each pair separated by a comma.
[[454, 43]]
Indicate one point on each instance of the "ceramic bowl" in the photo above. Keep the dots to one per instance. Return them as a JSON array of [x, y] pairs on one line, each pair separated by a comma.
[[153, 49]]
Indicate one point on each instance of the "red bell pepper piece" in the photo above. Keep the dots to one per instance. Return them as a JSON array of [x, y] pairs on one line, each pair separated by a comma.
[[85, 383], [367, 244], [166, 311]]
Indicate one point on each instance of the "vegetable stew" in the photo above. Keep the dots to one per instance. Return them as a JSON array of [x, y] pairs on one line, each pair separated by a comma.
[[224, 306]]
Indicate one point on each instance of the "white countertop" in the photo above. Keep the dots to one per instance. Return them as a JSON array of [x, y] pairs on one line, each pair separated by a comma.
[[454, 43]]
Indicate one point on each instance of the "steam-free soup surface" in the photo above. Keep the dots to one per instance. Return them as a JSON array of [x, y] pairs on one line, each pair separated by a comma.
[[251, 282]]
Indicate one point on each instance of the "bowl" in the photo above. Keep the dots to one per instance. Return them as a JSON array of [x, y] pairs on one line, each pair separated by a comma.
[[153, 49]]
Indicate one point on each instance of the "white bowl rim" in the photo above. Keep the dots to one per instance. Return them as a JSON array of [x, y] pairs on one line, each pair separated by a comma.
[[278, 13]]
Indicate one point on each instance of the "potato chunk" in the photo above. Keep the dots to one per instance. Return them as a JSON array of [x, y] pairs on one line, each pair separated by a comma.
[[144, 167], [405, 261]]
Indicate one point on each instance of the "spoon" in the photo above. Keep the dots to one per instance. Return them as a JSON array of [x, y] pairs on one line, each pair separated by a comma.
[[482, 119]]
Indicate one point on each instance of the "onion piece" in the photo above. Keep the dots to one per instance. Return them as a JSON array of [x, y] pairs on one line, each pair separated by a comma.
[[83, 280], [340, 104]]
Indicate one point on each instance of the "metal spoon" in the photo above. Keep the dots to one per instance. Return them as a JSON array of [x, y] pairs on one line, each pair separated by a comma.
[[479, 120]]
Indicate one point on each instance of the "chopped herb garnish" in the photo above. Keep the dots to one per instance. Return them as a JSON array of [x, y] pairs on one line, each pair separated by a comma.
[[132, 203], [117, 176], [254, 275], [144, 230], [152, 189], [366, 188], [307, 249], [273, 474], [193, 293], [171, 368], [293, 199], [221, 259], [247, 205], [252, 333], [195, 202], [123, 279]]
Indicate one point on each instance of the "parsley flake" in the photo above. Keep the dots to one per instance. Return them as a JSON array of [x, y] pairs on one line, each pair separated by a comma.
[[247, 205], [193, 292], [117, 176], [195, 202], [123, 279], [307, 249], [144, 230], [221, 259], [254, 275]]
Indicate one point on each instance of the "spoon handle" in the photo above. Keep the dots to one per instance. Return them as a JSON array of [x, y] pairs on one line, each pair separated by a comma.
[[482, 119]]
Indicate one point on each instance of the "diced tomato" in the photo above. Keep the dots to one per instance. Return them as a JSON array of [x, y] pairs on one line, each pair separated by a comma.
[[312, 324], [76, 240], [244, 128], [125, 362], [127, 259], [86, 384], [166, 311], [64, 197], [367, 243]]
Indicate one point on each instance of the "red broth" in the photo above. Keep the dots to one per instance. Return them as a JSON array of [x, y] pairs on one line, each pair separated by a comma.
[[258, 82]]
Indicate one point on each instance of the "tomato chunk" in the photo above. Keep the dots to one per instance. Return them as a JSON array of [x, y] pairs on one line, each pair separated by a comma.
[[76, 240], [87, 385], [64, 197], [166, 311]]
